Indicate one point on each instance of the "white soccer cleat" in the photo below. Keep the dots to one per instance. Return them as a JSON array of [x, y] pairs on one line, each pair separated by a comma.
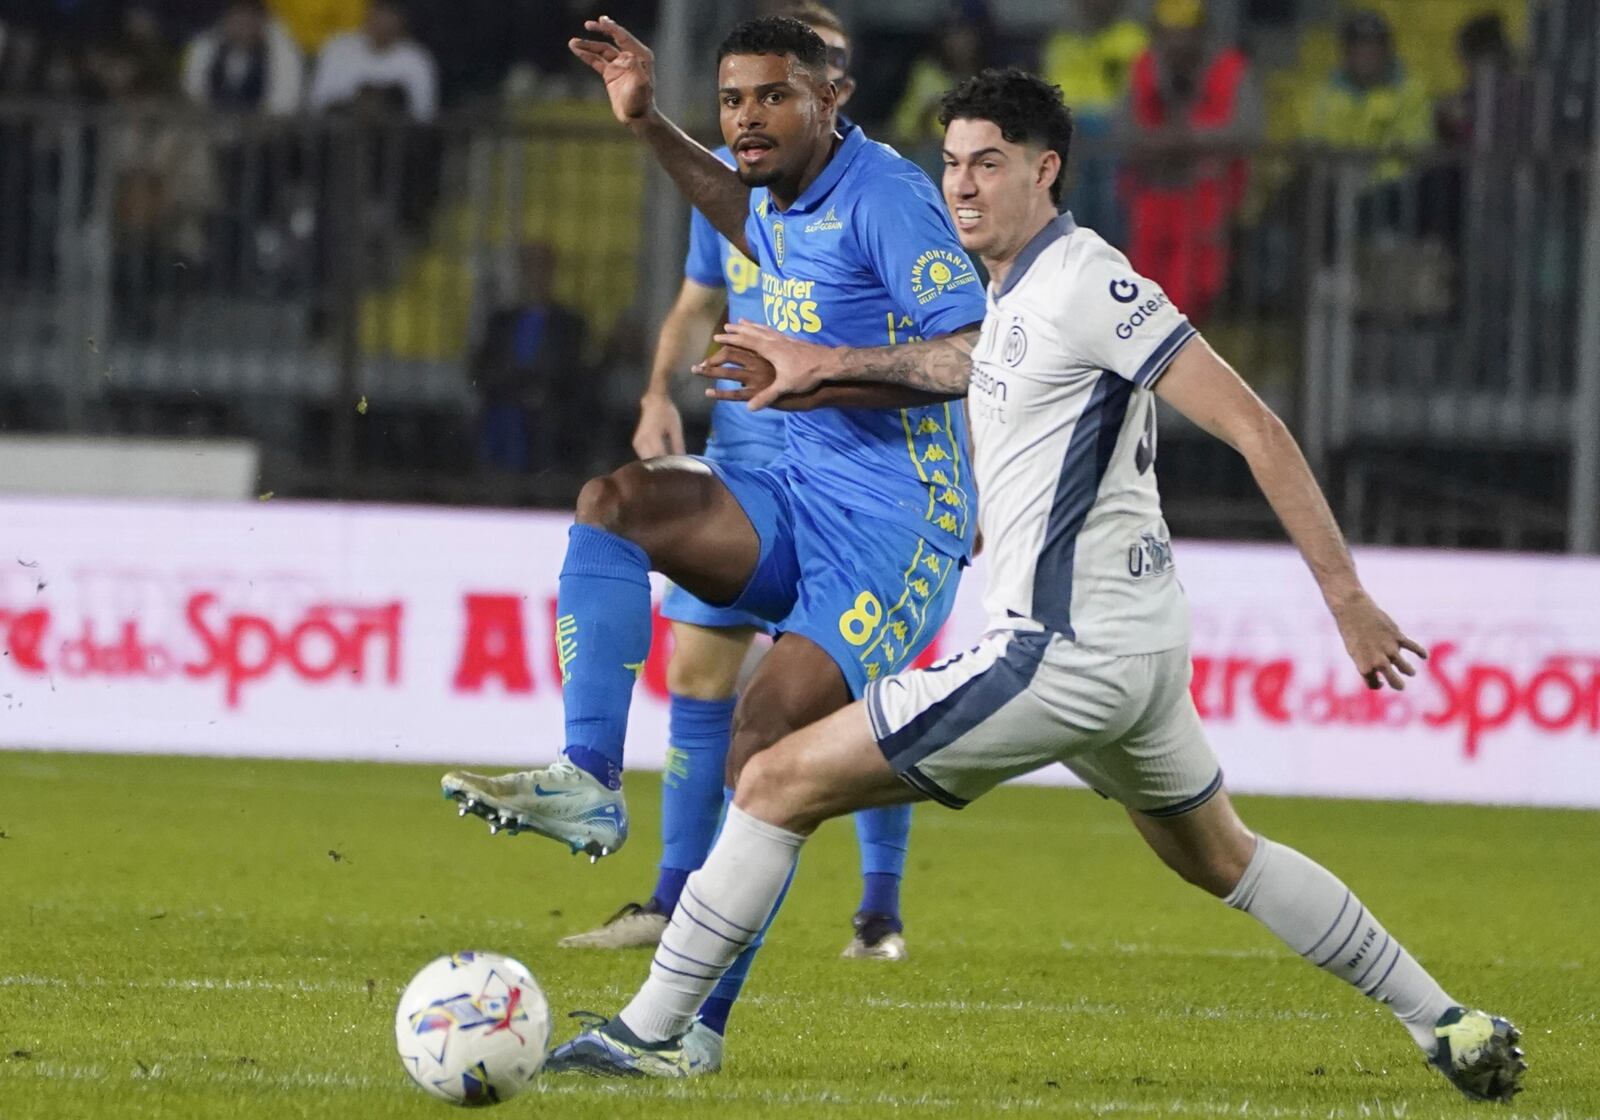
[[1478, 1053], [702, 1049], [878, 938], [632, 927], [559, 801]]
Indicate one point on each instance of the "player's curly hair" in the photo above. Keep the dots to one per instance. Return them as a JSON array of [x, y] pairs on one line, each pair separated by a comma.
[[1026, 108], [780, 35]]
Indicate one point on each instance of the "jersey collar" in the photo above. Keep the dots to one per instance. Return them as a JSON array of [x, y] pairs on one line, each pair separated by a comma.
[[1054, 231], [854, 141]]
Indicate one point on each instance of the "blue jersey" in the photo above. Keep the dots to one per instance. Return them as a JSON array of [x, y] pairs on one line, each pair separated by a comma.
[[736, 432], [867, 256]]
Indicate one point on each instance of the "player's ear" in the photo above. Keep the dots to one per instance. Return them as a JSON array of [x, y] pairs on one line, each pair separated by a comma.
[[828, 93], [1049, 168]]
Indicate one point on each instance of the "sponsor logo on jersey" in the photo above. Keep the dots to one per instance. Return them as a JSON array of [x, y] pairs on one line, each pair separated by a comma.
[[987, 395], [1150, 555], [828, 223], [938, 271], [1015, 347], [1142, 314], [1124, 291]]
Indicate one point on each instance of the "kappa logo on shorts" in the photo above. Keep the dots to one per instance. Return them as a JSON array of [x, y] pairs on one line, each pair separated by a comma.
[[1124, 291]]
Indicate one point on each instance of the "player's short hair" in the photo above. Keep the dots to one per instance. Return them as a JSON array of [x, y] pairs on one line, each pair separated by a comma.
[[1026, 108], [780, 35]]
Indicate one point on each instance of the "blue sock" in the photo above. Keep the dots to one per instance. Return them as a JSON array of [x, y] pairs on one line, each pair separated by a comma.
[[719, 1004], [602, 640], [691, 790], [882, 835]]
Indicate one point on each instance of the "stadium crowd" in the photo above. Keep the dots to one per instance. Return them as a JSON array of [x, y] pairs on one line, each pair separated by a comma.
[[1183, 120]]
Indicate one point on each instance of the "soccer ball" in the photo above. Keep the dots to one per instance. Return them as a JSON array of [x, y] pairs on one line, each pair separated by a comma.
[[472, 1028]]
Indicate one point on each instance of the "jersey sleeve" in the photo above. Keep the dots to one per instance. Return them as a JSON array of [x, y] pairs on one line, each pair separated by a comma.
[[1114, 319], [703, 264], [910, 245]]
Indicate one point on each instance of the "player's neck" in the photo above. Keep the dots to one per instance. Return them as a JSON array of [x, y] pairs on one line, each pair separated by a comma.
[[783, 196], [1004, 257]]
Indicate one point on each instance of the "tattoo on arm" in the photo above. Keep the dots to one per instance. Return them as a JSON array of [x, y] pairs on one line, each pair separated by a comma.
[[942, 365]]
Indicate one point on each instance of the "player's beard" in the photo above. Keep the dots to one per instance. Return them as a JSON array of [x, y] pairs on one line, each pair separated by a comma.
[[765, 177]]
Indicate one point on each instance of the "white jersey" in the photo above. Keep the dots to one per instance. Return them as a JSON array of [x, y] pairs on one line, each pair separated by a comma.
[[1064, 445]]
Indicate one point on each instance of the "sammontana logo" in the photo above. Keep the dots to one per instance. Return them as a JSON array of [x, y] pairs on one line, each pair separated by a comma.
[[936, 272], [828, 223]]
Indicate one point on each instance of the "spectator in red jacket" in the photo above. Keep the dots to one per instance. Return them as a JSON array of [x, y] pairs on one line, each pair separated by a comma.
[[1189, 95]]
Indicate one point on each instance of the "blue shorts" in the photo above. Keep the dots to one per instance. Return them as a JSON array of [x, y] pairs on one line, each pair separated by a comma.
[[680, 606], [870, 593]]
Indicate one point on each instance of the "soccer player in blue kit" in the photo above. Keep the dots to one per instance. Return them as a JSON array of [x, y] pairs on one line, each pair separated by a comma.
[[710, 643], [850, 542]]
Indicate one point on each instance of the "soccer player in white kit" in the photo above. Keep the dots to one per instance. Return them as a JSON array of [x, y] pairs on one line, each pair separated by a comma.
[[1087, 661]]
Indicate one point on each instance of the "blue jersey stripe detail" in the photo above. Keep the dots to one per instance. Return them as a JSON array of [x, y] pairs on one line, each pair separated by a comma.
[[1057, 228], [1188, 804], [1156, 364], [1088, 456], [969, 705], [923, 784]]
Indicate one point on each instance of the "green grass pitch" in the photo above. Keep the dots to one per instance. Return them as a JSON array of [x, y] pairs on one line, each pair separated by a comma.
[[226, 938]]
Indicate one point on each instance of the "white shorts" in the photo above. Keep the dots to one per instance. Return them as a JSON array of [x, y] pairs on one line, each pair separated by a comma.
[[1020, 700]]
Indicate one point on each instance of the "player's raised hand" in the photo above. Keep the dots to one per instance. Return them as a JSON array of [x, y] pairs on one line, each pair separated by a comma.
[[660, 430], [797, 367], [1375, 643], [626, 64]]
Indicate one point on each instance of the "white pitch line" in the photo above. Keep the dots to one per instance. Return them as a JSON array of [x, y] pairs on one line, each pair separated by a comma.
[[222, 984], [727, 1090], [941, 1006]]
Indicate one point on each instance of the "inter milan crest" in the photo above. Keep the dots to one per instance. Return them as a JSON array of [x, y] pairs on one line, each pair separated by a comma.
[[1015, 347]]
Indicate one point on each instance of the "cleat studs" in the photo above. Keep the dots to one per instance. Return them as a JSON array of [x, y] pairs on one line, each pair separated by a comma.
[[461, 810], [494, 827]]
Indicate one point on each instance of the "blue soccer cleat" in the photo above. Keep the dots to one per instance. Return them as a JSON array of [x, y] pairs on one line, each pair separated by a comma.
[[559, 801], [1477, 1052], [607, 1048]]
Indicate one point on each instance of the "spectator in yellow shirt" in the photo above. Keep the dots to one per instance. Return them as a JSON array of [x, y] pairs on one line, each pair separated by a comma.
[[965, 45], [314, 22], [1370, 101], [1091, 64]]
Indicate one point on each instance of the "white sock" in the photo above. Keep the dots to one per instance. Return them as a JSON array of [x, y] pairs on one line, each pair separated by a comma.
[[1321, 919], [722, 909]]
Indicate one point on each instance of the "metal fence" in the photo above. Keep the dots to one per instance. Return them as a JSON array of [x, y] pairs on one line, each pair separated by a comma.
[[332, 289]]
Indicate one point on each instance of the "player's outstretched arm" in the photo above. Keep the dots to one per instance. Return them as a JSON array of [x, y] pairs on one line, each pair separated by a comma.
[[755, 375], [939, 366], [1204, 388], [629, 70]]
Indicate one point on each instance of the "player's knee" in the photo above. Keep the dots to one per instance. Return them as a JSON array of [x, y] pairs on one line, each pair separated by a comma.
[[612, 502], [773, 789]]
